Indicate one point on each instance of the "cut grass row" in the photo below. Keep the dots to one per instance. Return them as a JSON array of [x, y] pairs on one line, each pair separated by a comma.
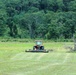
[[51, 63], [15, 61]]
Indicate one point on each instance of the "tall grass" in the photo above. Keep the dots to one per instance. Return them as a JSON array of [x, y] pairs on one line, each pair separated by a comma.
[[32, 40]]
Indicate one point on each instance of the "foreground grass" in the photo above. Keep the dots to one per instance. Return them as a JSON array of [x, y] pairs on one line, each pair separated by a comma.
[[15, 61]]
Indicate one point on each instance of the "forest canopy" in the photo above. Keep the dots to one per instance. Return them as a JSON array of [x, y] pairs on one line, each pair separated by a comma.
[[50, 19]]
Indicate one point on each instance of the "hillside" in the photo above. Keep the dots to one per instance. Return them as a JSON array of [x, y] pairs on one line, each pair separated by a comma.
[[38, 18]]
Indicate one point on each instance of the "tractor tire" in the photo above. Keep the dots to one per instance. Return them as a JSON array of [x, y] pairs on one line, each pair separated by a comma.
[[42, 48]]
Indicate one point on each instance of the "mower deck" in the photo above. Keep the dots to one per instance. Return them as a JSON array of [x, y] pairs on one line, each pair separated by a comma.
[[41, 51]]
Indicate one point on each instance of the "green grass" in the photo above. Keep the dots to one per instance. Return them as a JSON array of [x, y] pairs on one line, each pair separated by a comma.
[[15, 61]]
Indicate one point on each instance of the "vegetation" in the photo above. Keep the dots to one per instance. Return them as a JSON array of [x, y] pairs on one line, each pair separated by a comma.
[[15, 61], [49, 19]]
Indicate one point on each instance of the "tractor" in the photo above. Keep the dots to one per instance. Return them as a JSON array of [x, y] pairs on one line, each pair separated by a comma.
[[38, 47]]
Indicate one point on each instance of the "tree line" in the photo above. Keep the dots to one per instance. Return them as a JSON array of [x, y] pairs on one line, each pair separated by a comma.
[[49, 19]]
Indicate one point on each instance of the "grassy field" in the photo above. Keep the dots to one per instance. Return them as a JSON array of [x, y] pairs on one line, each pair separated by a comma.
[[15, 61]]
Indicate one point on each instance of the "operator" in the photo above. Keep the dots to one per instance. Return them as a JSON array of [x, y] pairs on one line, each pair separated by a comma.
[[38, 46]]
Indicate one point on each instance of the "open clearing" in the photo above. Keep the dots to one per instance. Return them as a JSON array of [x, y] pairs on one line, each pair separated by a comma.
[[15, 61]]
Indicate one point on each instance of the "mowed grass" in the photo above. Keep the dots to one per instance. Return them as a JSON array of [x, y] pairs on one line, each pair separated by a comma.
[[15, 61]]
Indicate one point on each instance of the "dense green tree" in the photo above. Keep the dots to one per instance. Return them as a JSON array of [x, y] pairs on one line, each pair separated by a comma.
[[72, 5], [50, 19], [3, 25]]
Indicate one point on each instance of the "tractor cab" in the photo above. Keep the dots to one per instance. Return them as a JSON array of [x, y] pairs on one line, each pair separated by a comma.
[[38, 45]]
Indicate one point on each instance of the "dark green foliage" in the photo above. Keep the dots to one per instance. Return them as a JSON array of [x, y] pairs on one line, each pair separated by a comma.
[[50, 19]]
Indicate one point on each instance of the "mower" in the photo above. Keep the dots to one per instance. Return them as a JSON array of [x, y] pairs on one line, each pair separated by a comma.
[[38, 47]]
